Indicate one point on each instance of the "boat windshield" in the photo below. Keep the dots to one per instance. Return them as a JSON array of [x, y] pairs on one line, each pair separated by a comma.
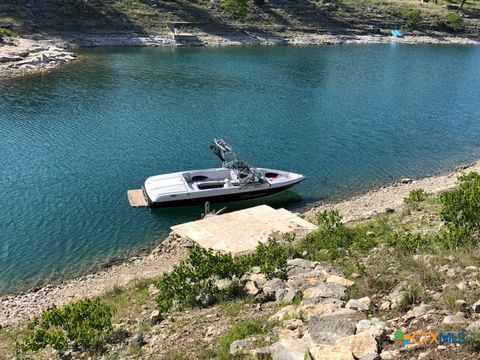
[[247, 174]]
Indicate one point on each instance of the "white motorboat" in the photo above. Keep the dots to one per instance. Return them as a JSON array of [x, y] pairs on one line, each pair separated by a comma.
[[235, 180]]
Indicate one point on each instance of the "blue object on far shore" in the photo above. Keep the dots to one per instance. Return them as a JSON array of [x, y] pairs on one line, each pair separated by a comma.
[[397, 33]]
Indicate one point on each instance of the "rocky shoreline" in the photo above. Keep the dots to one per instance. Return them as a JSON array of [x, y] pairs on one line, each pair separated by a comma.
[[21, 306], [23, 56], [20, 57]]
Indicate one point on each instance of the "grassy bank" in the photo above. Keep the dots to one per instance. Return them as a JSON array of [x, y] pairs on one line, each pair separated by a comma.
[[224, 16], [426, 254]]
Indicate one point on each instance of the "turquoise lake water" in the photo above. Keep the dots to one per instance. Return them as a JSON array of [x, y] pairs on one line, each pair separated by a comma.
[[348, 117]]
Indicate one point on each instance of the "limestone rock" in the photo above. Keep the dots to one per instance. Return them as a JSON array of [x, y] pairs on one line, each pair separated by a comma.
[[289, 348], [461, 285], [374, 326], [322, 300], [385, 305], [289, 311], [259, 279], [285, 296], [390, 354], [360, 344], [326, 290], [453, 319], [272, 286], [476, 307], [292, 324], [251, 288], [153, 290], [239, 347], [304, 280], [329, 352], [339, 281], [474, 326], [223, 284], [327, 330], [356, 305], [418, 310], [155, 317], [297, 265], [371, 356], [318, 309]]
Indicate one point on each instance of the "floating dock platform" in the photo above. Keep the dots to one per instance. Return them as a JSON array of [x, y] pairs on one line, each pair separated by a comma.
[[240, 232], [136, 198]]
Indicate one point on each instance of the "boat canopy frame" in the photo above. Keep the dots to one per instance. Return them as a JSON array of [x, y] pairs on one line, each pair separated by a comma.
[[246, 173]]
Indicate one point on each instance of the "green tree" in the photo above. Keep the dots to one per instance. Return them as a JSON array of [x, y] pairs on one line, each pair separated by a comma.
[[237, 8], [413, 17]]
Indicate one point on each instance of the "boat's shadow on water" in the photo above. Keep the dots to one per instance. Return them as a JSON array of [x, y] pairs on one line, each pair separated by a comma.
[[287, 199]]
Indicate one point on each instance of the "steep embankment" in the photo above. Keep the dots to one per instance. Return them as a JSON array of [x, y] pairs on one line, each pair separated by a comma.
[[276, 17]]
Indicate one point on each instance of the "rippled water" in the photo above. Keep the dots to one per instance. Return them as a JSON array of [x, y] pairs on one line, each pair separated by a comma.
[[348, 117]]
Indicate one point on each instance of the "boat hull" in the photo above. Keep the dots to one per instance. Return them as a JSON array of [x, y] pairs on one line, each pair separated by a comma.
[[254, 194]]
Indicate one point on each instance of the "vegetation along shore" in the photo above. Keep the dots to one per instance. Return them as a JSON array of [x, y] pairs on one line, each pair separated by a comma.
[[400, 258], [34, 35]]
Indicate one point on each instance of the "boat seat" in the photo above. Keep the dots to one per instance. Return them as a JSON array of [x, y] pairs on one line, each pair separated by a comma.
[[210, 184]]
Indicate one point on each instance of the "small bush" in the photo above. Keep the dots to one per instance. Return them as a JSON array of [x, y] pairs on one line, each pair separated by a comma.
[[413, 296], [472, 342], [452, 22], [406, 242], [240, 331], [192, 282], [236, 8], [329, 219], [415, 197], [86, 323], [333, 238], [272, 258], [413, 17], [6, 33], [461, 207]]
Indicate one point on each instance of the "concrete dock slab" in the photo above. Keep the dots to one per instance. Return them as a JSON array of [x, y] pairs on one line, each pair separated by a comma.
[[136, 198], [240, 232]]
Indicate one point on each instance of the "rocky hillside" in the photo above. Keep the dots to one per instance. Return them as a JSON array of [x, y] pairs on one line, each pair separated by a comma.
[[401, 285], [213, 16]]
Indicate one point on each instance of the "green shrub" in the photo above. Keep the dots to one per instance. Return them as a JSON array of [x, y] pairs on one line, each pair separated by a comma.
[[332, 238], [329, 219], [406, 242], [415, 197], [452, 22], [86, 323], [237, 8], [272, 258], [413, 296], [461, 207], [413, 17], [472, 342], [193, 278], [6, 33], [192, 282]]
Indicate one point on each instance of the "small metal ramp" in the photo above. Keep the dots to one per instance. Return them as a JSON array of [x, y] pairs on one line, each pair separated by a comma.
[[240, 232], [136, 198]]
